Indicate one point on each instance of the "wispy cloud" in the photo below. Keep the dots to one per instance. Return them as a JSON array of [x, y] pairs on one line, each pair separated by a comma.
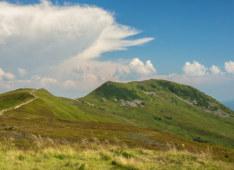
[[44, 35]]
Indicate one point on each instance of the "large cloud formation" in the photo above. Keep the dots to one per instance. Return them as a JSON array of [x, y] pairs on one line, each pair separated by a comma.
[[64, 42], [47, 34]]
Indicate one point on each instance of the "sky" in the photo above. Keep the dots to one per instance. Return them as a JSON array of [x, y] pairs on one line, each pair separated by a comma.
[[71, 47]]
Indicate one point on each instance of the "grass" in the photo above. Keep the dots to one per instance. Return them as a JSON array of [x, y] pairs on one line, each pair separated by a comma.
[[99, 157], [27, 134]]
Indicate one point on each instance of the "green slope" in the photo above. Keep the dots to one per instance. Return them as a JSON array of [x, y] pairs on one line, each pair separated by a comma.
[[165, 106], [14, 98], [151, 114], [44, 106]]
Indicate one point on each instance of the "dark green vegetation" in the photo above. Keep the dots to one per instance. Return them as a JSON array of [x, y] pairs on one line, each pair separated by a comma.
[[152, 114]]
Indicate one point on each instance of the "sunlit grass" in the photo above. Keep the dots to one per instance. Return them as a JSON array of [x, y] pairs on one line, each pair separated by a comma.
[[105, 157]]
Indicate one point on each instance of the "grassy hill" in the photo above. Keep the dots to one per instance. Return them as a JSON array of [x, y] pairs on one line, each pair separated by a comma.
[[165, 106], [152, 114]]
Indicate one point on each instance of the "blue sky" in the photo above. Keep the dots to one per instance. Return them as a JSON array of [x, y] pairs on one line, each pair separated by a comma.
[[183, 31]]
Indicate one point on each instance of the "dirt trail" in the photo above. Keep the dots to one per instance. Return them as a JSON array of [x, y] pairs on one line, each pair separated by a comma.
[[19, 105]]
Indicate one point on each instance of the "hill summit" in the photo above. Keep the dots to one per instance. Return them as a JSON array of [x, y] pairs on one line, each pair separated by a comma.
[[165, 106]]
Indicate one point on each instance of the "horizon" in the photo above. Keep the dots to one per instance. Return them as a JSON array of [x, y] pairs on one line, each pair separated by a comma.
[[227, 103], [189, 43]]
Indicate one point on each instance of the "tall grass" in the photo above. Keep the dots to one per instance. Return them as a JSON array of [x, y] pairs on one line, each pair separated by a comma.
[[100, 157]]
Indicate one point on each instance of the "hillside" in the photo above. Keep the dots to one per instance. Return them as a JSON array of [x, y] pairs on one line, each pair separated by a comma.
[[166, 106], [152, 114]]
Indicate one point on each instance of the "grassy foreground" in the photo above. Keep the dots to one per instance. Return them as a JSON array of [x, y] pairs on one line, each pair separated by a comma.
[[102, 158]]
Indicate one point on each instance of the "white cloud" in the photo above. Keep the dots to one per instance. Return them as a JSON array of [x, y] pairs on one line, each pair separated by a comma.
[[22, 72], [229, 66], [86, 74], [197, 69], [6, 75], [194, 69], [63, 45], [138, 66], [47, 81], [215, 69], [69, 84], [43, 35], [41, 81]]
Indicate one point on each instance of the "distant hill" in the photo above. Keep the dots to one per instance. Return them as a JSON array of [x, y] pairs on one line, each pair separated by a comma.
[[151, 114]]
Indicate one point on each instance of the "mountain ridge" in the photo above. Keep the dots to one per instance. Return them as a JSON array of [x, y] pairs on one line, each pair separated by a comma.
[[199, 98]]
